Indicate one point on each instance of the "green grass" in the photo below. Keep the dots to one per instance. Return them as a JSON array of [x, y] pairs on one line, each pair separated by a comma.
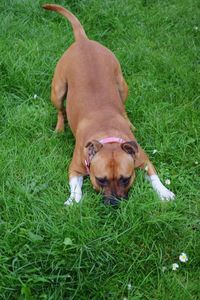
[[90, 251]]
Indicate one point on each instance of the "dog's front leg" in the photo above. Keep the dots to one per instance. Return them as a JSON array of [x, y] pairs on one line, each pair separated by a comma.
[[157, 185], [76, 172], [143, 162], [75, 183]]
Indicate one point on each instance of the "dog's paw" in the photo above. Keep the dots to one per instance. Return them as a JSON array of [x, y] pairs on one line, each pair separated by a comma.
[[74, 197], [165, 194], [68, 201], [162, 191]]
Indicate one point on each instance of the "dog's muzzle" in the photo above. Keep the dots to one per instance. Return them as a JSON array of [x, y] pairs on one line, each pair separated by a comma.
[[113, 201]]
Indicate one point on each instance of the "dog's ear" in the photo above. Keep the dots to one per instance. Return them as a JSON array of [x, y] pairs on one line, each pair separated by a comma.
[[92, 148], [130, 147], [134, 149], [141, 159]]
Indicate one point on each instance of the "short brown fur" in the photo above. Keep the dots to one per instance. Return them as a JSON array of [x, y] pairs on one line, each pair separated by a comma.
[[90, 77]]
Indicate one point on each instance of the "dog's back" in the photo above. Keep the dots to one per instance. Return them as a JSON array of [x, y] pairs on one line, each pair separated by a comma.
[[89, 71]]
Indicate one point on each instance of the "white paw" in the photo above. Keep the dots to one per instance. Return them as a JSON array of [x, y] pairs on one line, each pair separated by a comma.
[[165, 194], [69, 201], [74, 197], [76, 192], [162, 191]]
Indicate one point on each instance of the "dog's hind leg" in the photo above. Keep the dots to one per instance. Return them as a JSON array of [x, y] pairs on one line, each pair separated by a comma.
[[58, 94], [121, 84], [123, 91]]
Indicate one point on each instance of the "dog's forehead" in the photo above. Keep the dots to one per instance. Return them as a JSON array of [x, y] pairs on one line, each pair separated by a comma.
[[113, 164], [125, 164]]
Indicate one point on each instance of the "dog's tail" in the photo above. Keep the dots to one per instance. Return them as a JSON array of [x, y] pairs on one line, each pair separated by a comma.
[[78, 30]]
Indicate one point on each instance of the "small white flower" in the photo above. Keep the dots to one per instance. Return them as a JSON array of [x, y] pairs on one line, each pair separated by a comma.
[[35, 96], [164, 269], [175, 266], [154, 151], [129, 286], [167, 181], [183, 257], [196, 27]]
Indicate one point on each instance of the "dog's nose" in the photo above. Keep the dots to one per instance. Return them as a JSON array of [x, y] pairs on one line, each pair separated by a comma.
[[114, 200], [111, 200]]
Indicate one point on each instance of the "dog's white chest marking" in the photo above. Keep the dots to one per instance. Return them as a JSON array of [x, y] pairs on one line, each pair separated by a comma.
[[161, 190], [75, 183]]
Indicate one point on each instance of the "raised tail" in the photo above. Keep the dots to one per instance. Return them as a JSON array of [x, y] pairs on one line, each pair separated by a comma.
[[78, 30]]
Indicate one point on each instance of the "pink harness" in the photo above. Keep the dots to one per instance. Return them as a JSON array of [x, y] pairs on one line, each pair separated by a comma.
[[104, 141]]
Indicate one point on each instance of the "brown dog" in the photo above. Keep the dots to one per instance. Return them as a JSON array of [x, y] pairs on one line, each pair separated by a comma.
[[90, 77]]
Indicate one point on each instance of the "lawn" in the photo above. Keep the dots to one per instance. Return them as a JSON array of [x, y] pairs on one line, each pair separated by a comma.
[[90, 251]]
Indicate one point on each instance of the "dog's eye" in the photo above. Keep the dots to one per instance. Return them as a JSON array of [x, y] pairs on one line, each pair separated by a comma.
[[124, 180], [102, 181]]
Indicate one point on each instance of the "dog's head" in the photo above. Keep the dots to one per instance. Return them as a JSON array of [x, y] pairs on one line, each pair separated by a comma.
[[112, 168]]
